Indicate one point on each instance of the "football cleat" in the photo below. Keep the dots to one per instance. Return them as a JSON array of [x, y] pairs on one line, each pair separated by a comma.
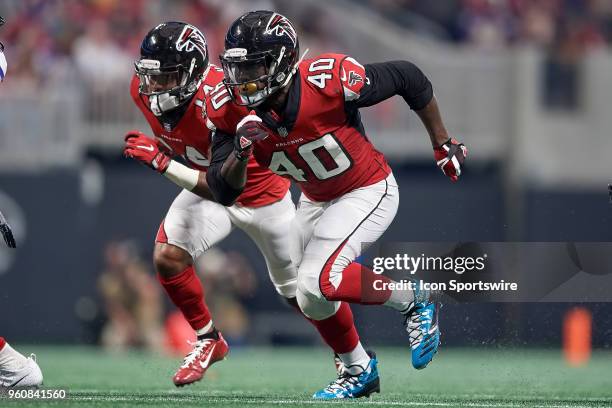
[[422, 326], [205, 353], [29, 376], [353, 386]]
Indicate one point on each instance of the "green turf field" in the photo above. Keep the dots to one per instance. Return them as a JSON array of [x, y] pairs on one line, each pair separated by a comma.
[[287, 377]]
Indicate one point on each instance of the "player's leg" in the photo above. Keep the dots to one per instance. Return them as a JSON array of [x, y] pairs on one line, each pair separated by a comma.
[[343, 279], [334, 321], [191, 226], [270, 229], [16, 370], [328, 272], [348, 226], [279, 237]]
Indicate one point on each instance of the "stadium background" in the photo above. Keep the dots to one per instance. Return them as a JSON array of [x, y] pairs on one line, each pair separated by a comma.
[[525, 84]]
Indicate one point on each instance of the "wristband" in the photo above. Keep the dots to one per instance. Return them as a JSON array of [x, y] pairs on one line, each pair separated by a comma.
[[182, 175]]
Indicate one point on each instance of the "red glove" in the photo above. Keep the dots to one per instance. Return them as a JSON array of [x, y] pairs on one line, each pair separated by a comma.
[[449, 157], [249, 130], [140, 147]]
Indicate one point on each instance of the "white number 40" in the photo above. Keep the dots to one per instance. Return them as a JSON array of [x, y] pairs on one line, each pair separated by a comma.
[[323, 64], [282, 165]]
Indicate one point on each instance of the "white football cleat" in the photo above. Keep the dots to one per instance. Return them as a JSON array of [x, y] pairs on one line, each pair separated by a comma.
[[28, 376]]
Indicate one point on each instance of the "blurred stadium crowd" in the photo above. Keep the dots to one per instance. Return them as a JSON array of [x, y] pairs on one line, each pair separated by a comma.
[[579, 24], [565, 29], [48, 37]]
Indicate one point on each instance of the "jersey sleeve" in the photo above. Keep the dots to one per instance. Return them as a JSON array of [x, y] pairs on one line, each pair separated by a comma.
[[221, 114], [352, 78], [134, 85], [374, 83]]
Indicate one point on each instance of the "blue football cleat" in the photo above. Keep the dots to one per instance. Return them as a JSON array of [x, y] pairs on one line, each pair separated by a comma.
[[353, 386], [422, 327]]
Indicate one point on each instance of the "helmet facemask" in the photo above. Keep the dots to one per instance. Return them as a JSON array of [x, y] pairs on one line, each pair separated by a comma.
[[251, 79], [167, 87]]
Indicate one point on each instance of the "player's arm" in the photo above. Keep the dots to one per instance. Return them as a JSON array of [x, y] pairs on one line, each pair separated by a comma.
[[149, 152], [227, 174], [145, 150], [387, 79]]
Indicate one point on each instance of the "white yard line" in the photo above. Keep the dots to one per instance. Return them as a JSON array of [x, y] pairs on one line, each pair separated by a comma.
[[246, 400]]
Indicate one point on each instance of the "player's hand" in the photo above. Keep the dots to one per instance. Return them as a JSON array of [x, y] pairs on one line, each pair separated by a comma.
[[144, 149], [248, 131], [7, 233], [450, 157]]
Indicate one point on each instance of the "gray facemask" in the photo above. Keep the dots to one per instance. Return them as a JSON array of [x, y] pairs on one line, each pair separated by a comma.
[[162, 103]]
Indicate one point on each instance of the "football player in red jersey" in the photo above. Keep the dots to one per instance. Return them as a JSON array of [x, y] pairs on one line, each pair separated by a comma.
[[310, 112], [172, 82]]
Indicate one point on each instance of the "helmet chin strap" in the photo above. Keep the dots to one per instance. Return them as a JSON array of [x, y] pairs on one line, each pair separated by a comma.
[[258, 97], [162, 103], [295, 67]]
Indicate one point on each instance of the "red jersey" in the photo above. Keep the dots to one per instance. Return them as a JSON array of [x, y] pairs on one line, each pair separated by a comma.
[[319, 141], [190, 138]]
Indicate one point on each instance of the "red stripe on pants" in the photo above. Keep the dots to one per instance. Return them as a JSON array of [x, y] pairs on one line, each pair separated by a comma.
[[356, 284]]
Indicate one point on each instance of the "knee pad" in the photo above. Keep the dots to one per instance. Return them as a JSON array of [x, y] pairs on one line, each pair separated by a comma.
[[313, 304], [316, 309], [308, 286]]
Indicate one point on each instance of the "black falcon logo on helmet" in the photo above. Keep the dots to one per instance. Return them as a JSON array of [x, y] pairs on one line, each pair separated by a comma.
[[191, 38], [280, 26]]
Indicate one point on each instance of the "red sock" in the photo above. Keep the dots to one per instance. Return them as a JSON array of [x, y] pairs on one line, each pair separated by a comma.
[[357, 286], [2, 343], [338, 331], [186, 292]]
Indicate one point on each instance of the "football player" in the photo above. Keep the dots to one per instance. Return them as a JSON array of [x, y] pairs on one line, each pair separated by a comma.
[[172, 82], [309, 112]]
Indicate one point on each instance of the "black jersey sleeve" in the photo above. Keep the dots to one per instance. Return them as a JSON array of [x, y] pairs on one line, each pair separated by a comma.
[[222, 147], [387, 79]]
